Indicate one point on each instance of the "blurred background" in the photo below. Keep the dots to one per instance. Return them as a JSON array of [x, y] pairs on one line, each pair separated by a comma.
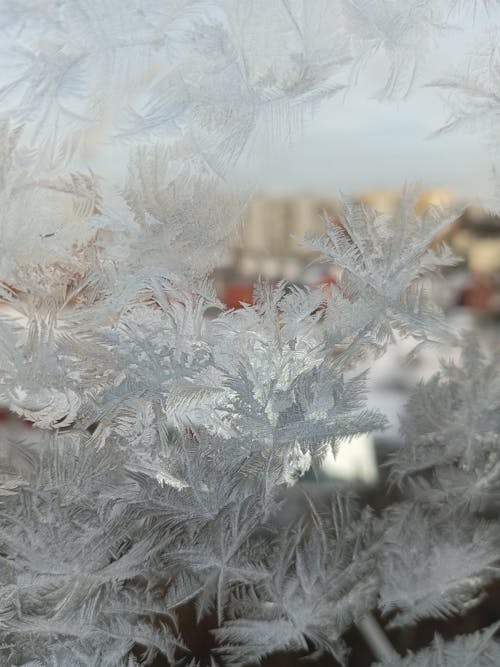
[[358, 145], [267, 249], [365, 148]]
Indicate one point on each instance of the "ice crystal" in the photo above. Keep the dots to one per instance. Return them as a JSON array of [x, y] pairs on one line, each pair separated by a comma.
[[154, 498]]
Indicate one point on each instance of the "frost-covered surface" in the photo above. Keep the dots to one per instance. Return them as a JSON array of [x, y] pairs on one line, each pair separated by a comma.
[[170, 429], [475, 650]]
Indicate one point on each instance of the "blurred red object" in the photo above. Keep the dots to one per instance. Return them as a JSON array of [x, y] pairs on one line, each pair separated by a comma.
[[479, 293], [237, 293], [328, 283]]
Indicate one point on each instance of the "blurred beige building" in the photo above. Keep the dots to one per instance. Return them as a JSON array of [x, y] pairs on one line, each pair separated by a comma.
[[269, 247]]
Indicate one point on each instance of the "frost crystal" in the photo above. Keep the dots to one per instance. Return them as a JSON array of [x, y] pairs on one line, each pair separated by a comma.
[[153, 504]]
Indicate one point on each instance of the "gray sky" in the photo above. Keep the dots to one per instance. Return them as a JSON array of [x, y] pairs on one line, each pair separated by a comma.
[[355, 142]]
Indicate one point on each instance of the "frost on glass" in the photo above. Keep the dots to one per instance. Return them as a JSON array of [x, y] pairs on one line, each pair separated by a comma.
[[478, 650], [152, 497]]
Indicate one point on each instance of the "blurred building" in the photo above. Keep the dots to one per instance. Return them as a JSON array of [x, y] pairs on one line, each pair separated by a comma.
[[269, 243], [475, 236], [385, 201], [268, 247]]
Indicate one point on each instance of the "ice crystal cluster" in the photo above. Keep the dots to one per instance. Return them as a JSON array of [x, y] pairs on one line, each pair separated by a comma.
[[146, 513]]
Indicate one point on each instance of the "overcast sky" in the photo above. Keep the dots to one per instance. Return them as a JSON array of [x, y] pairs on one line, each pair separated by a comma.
[[355, 142]]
